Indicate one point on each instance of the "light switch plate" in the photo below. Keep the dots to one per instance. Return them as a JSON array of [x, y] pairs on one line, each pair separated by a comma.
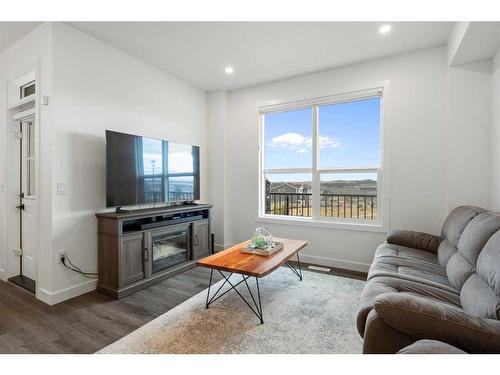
[[61, 188]]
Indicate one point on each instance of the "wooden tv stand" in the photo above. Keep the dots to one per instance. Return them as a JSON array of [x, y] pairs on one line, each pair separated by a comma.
[[139, 248]]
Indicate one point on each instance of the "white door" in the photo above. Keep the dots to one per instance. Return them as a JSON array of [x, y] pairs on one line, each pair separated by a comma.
[[28, 198]]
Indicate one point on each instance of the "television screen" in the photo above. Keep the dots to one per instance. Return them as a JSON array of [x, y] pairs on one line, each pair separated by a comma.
[[148, 170]]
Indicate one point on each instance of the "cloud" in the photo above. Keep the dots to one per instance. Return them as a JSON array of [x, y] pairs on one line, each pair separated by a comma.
[[328, 142], [294, 141], [300, 144]]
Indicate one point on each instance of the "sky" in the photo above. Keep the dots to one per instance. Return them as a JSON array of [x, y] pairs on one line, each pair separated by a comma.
[[349, 136]]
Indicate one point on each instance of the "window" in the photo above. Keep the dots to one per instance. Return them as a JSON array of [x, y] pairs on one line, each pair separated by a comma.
[[27, 90], [321, 159], [29, 151]]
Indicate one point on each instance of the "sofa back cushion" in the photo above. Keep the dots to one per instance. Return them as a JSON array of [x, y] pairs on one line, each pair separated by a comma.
[[475, 235], [456, 222], [445, 251], [452, 230], [480, 294]]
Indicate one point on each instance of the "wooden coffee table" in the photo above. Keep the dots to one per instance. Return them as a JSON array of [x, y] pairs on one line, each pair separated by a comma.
[[233, 261]]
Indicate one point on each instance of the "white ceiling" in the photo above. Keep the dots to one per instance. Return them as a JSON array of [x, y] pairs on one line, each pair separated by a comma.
[[481, 41], [11, 32], [197, 52]]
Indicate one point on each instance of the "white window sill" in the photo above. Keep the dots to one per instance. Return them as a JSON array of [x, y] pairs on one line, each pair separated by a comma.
[[362, 226]]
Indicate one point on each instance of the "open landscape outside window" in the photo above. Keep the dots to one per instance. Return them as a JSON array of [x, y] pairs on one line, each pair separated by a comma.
[[323, 161]]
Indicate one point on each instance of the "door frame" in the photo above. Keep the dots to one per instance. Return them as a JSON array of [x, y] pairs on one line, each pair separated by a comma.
[[12, 184]]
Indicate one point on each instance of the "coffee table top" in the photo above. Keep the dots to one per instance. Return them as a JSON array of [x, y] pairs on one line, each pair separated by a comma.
[[233, 260]]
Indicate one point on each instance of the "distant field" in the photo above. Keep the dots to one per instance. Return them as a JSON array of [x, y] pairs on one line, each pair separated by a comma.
[[348, 187]]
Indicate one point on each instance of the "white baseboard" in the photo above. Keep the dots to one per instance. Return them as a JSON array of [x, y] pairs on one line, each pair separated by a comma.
[[337, 263], [321, 261], [53, 298], [3, 275]]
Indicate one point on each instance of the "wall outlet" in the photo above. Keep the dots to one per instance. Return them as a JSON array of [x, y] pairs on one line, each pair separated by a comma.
[[60, 254]]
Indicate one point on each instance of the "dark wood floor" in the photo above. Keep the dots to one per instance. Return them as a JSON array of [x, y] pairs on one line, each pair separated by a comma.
[[90, 322]]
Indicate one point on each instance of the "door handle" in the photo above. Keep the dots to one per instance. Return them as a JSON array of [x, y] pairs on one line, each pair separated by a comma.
[[21, 206], [146, 254], [195, 240]]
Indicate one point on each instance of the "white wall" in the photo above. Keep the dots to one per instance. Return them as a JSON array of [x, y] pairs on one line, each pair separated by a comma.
[[415, 122], [495, 164], [35, 49], [469, 134], [216, 123], [473, 128], [97, 87], [91, 87]]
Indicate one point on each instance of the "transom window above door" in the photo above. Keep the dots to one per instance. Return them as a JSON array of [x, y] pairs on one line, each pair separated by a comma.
[[321, 160]]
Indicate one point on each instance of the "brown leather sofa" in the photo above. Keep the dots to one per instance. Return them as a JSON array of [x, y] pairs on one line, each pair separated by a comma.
[[446, 288], [430, 347]]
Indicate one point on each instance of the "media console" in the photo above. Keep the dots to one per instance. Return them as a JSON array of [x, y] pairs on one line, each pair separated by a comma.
[[139, 248]]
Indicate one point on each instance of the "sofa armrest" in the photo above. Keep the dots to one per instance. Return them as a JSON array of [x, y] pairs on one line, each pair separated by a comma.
[[430, 347], [423, 318], [416, 240]]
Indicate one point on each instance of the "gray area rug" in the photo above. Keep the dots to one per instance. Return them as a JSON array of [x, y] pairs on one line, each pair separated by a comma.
[[316, 315]]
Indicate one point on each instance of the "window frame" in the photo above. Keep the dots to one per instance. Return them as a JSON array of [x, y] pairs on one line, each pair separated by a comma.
[[380, 224]]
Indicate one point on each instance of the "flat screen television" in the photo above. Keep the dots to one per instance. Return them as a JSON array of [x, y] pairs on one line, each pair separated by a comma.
[[142, 170]]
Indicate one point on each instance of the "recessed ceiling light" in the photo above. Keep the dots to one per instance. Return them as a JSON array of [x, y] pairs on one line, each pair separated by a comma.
[[229, 70], [384, 29]]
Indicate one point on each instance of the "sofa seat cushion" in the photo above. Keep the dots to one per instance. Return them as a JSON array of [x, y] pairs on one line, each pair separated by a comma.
[[411, 269], [382, 284], [398, 251]]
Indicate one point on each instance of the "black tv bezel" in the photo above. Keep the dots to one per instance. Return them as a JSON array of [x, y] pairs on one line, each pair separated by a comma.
[[162, 203]]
